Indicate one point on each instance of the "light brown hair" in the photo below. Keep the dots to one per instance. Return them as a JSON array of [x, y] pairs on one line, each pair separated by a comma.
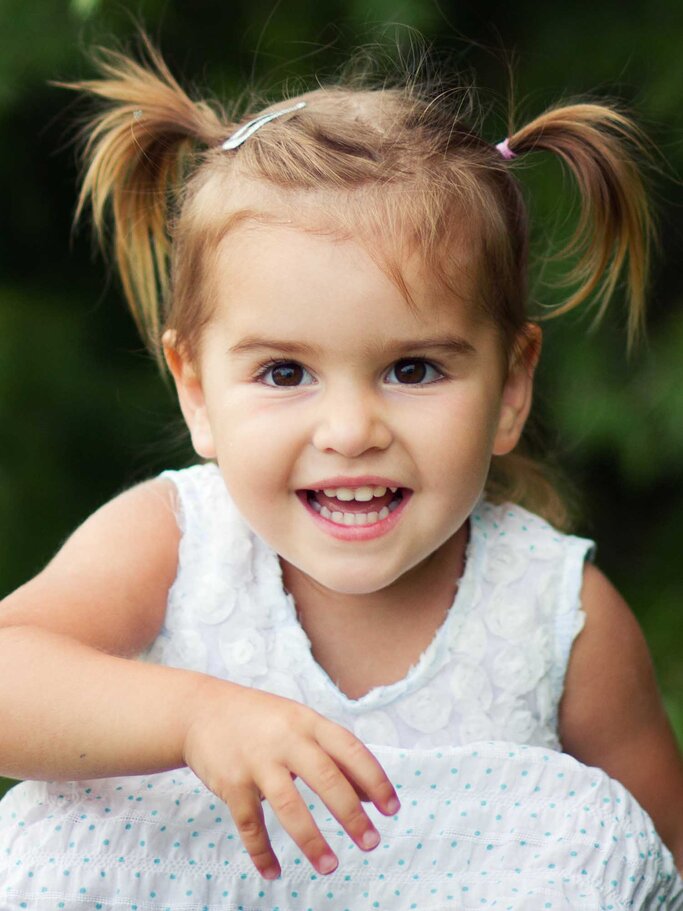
[[397, 162]]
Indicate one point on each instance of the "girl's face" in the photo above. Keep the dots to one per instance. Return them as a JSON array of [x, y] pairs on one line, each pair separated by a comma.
[[353, 433]]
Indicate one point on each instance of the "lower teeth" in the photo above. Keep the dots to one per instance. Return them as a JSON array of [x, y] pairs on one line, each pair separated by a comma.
[[354, 518]]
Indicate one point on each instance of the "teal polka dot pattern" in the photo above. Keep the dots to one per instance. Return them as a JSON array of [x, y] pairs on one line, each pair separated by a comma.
[[491, 825]]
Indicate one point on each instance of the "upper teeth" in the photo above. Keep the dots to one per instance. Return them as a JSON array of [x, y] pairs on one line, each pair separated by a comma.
[[362, 494]]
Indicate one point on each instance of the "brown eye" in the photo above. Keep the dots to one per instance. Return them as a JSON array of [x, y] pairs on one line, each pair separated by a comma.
[[413, 372], [410, 371], [286, 374]]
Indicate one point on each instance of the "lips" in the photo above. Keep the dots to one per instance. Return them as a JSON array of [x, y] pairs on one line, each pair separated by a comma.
[[364, 504]]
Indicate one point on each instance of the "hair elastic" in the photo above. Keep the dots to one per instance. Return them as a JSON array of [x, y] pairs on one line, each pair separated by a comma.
[[248, 129], [505, 150]]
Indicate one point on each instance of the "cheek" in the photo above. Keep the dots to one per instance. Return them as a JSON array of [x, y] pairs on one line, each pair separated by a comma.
[[460, 427], [254, 448], [459, 449]]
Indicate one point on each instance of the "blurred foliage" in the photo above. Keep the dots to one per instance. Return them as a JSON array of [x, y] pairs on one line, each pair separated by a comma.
[[83, 412]]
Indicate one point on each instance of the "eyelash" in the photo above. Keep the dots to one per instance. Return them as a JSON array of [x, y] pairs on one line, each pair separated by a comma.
[[265, 368], [429, 365]]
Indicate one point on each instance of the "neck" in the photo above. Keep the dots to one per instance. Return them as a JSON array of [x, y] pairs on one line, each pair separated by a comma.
[[391, 626]]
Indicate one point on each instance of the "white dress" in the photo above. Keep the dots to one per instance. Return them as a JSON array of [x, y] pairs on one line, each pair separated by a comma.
[[492, 815]]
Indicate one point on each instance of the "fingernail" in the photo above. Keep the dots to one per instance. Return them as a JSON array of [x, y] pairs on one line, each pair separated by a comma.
[[270, 872], [393, 806], [327, 863], [370, 838]]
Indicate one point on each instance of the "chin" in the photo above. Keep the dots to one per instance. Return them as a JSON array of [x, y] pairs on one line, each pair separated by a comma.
[[345, 587], [354, 581]]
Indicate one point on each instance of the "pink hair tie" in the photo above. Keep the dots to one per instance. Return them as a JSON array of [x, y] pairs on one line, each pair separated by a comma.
[[505, 150]]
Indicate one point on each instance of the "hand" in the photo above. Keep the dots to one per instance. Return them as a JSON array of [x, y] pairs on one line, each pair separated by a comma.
[[247, 745]]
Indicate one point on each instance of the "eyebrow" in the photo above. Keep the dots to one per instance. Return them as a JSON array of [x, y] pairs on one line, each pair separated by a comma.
[[254, 343], [452, 344], [448, 345]]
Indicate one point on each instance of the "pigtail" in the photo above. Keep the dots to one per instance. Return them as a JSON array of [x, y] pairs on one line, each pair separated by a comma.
[[602, 149], [138, 148]]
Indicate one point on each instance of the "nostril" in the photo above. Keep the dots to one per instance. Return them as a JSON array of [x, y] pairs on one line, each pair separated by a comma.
[[351, 432]]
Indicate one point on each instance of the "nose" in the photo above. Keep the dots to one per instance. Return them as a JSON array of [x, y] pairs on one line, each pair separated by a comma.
[[350, 422]]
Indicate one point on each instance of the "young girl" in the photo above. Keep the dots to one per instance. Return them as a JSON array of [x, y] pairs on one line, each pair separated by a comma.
[[338, 287]]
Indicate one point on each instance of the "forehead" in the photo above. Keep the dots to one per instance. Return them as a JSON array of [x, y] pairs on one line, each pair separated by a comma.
[[279, 286], [430, 264], [288, 273]]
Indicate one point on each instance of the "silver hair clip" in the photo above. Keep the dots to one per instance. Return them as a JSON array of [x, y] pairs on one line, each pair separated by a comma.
[[244, 132]]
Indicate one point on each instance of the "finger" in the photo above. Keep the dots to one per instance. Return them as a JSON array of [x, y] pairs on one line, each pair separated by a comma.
[[323, 776], [296, 819], [359, 765], [362, 796], [247, 814], [361, 793]]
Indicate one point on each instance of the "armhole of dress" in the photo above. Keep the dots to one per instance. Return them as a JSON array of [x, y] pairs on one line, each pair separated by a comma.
[[179, 506], [180, 512], [570, 616], [154, 653], [190, 494]]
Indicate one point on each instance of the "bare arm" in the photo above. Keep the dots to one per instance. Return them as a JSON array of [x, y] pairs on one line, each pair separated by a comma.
[[74, 705], [612, 715], [64, 640]]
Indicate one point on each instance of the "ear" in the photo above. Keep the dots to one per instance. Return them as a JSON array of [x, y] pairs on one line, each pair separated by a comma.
[[518, 389], [190, 395]]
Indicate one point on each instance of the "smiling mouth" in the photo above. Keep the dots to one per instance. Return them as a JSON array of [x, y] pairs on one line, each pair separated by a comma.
[[354, 506]]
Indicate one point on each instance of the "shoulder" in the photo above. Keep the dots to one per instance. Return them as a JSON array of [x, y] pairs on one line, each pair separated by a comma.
[[610, 673], [612, 715], [107, 586]]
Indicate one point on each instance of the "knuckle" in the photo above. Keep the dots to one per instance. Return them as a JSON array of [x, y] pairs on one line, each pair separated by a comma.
[[261, 857], [301, 712], [226, 786], [356, 818], [312, 843], [248, 825], [295, 721], [329, 776], [286, 803], [383, 789], [353, 746]]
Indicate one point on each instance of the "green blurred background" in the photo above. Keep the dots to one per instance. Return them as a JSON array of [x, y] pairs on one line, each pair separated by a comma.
[[83, 412]]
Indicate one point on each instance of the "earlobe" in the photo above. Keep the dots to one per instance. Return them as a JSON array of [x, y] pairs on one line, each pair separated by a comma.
[[190, 396], [518, 390]]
